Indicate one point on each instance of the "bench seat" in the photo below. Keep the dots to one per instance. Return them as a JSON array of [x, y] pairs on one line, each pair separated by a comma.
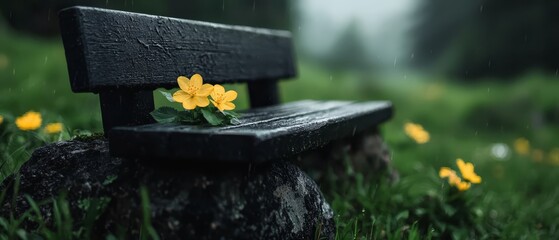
[[264, 134]]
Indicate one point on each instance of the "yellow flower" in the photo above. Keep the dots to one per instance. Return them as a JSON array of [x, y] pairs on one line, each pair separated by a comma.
[[416, 132], [463, 186], [453, 179], [29, 121], [522, 146], [1, 119], [223, 100], [467, 171], [53, 128], [192, 92]]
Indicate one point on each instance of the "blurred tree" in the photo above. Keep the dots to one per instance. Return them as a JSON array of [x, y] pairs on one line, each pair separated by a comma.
[[478, 38], [40, 16], [349, 52]]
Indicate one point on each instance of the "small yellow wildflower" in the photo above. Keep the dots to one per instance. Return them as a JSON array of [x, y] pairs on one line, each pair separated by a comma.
[[537, 155], [416, 132], [192, 92], [467, 171], [453, 179], [223, 100], [1, 119], [53, 128], [463, 186], [522, 146], [29, 121]]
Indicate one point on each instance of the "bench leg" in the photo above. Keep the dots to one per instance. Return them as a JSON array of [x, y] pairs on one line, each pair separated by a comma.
[[119, 108], [263, 93]]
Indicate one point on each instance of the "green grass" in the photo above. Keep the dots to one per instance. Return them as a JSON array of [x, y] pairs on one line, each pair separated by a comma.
[[516, 199]]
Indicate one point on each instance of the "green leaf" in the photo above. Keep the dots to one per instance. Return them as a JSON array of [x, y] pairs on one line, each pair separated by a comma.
[[189, 117], [231, 114], [211, 117], [234, 121], [164, 114], [167, 95], [232, 117]]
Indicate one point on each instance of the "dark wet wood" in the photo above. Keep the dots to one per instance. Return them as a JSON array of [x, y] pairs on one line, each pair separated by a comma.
[[264, 134], [263, 93], [107, 50], [126, 108]]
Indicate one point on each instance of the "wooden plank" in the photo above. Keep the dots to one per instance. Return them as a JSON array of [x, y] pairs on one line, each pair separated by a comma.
[[285, 131], [107, 49]]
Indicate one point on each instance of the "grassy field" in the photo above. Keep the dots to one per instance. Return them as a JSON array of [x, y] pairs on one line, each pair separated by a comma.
[[476, 122]]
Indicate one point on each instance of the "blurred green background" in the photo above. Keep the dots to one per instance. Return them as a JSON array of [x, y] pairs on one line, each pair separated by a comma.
[[477, 75]]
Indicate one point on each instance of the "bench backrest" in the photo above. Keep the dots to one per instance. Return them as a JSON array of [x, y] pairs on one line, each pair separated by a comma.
[[124, 56]]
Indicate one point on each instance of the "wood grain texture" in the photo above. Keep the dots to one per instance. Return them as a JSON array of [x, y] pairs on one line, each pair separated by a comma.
[[107, 49], [265, 134]]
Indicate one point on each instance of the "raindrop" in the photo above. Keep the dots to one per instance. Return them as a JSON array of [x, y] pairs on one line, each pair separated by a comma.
[[332, 79], [556, 71], [395, 61], [46, 59], [488, 89], [489, 64], [14, 71], [223, 5], [412, 56], [253, 5], [481, 8]]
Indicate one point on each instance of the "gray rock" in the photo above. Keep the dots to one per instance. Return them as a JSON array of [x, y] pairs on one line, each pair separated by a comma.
[[213, 201], [364, 153]]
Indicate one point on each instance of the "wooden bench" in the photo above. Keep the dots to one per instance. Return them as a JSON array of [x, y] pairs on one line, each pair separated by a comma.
[[124, 56]]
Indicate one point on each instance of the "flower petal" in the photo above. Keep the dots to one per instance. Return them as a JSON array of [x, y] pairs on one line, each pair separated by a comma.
[[181, 96], [219, 106], [228, 106], [201, 101], [196, 81], [463, 186], [445, 172], [230, 95], [215, 103], [467, 171], [218, 89], [205, 90], [183, 82], [189, 104]]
